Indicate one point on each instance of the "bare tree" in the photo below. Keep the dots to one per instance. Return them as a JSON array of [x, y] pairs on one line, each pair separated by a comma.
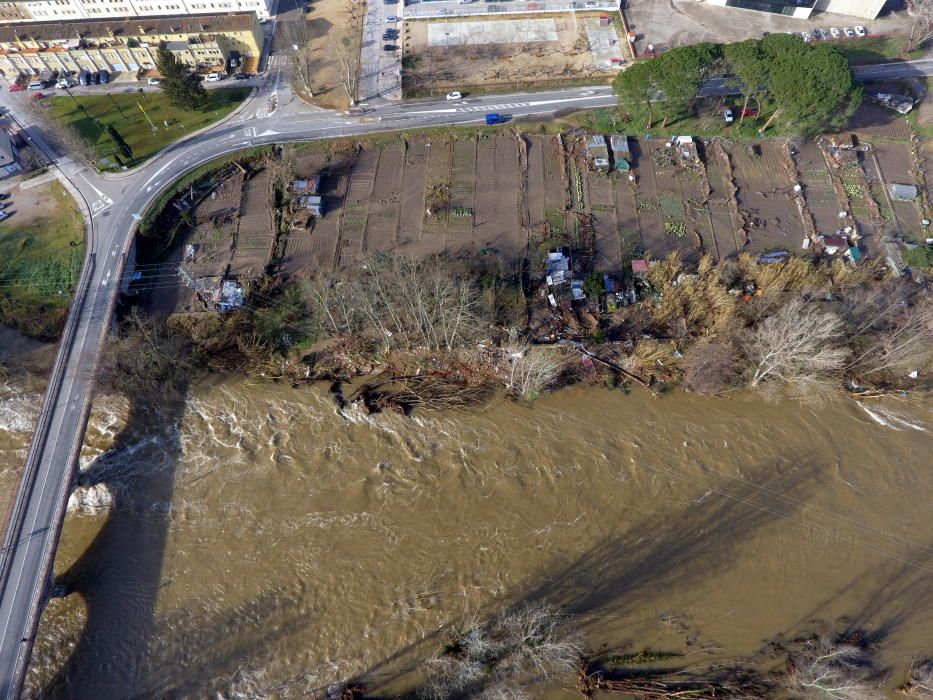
[[796, 346], [405, 303], [64, 137], [346, 43], [828, 671], [146, 358], [496, 659], [921, 23], [297, 35], [898, 340], [532, 370], [919, 681]]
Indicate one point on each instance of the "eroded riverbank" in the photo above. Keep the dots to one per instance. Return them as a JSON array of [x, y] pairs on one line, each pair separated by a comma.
[[262, 545]]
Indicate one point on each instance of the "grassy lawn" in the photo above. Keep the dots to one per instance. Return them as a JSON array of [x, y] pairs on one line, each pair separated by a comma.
[[876, 49], [38, 264], [90, 114]]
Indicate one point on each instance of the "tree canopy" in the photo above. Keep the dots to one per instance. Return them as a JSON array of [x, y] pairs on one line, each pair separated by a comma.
[[184, 90], [809, 85]]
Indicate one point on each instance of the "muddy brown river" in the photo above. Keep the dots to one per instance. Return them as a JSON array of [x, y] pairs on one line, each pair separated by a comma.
[[251, 542]]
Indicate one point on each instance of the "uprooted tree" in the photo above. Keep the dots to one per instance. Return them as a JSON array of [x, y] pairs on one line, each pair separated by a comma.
[[799, 346]]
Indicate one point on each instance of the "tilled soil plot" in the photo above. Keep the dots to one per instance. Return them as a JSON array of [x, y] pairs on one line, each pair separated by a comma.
[[256, 231], [300, 256], [411, 212], [325, 236], [874, 120], [382, 224], [765, 196], [437, 195], [461, 213], [818, 190], [352, 226], [724, 241], [546, 194], [601, 203], [670, 175], [497, 201], [647, 202], [895, 164]]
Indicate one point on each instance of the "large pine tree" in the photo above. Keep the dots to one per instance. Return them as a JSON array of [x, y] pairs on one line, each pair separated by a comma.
[[184, 90]]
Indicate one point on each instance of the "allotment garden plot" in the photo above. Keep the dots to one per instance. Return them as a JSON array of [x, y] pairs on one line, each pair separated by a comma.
[[312, 209]]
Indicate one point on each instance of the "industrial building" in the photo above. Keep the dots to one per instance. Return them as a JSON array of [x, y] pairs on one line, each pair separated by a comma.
[[204, 42], [803, 9], [48, 10]]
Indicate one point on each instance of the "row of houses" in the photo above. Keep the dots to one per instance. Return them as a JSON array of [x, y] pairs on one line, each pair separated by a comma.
[[200, 41], [20, 11]]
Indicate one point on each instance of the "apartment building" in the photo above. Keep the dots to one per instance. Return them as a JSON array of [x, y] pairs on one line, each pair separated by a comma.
[[48, 10], [204, 42]]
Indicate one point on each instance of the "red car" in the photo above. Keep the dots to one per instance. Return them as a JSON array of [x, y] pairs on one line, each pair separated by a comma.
[[17, 87], [749, 112]]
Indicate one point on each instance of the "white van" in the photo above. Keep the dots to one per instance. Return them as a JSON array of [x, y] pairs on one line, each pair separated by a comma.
[[36, 85], [213, 77]]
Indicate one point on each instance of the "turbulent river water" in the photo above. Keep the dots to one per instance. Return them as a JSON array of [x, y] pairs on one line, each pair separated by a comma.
[[259, 544]]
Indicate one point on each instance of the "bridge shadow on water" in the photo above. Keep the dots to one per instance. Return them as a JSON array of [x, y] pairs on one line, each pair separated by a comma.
[[128, 647], [119, 576]]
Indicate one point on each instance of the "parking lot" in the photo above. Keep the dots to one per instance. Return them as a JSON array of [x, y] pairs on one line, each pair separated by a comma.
[[380, 70]]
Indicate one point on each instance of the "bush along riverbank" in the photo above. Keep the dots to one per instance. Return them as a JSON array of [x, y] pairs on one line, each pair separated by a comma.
[[455, 332]]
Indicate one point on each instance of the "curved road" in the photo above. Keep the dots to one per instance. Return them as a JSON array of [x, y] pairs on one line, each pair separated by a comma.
[[272, 115]]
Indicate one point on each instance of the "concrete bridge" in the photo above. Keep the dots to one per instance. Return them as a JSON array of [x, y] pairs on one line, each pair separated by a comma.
[[113, 205]]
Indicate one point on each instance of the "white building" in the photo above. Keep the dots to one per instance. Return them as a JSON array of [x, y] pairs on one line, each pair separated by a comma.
[[802, 9], [52, 10]]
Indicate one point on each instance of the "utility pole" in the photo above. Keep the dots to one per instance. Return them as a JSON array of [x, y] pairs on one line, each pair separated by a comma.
[[154, 127]]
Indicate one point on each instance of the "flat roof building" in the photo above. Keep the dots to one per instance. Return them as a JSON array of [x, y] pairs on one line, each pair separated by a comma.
[[803, 9], [204, 42], [48, 10]]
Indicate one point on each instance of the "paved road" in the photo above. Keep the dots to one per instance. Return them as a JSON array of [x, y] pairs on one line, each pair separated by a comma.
[[273, 115]]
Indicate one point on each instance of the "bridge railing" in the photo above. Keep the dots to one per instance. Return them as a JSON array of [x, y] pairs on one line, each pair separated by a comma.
[[15, 515], [14, 511]]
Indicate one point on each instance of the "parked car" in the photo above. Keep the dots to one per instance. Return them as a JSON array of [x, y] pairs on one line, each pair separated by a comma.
[[104, 77], [4, 195], [17, 87], [390, 2], [95, 78], [749, 112], [154, 81], [63, 83], [728, 116], [84, 77], [454, 96], [389, 37], [860, 30], [848, 32], [3, 215], [834, 33], [36, 85], [806, 37], [390, 47], [213, 77], [242, 76], [391, 19], [819, 33], [591, 3]]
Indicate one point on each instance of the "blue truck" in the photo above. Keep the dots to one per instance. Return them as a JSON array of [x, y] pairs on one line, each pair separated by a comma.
[[494, 118]]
